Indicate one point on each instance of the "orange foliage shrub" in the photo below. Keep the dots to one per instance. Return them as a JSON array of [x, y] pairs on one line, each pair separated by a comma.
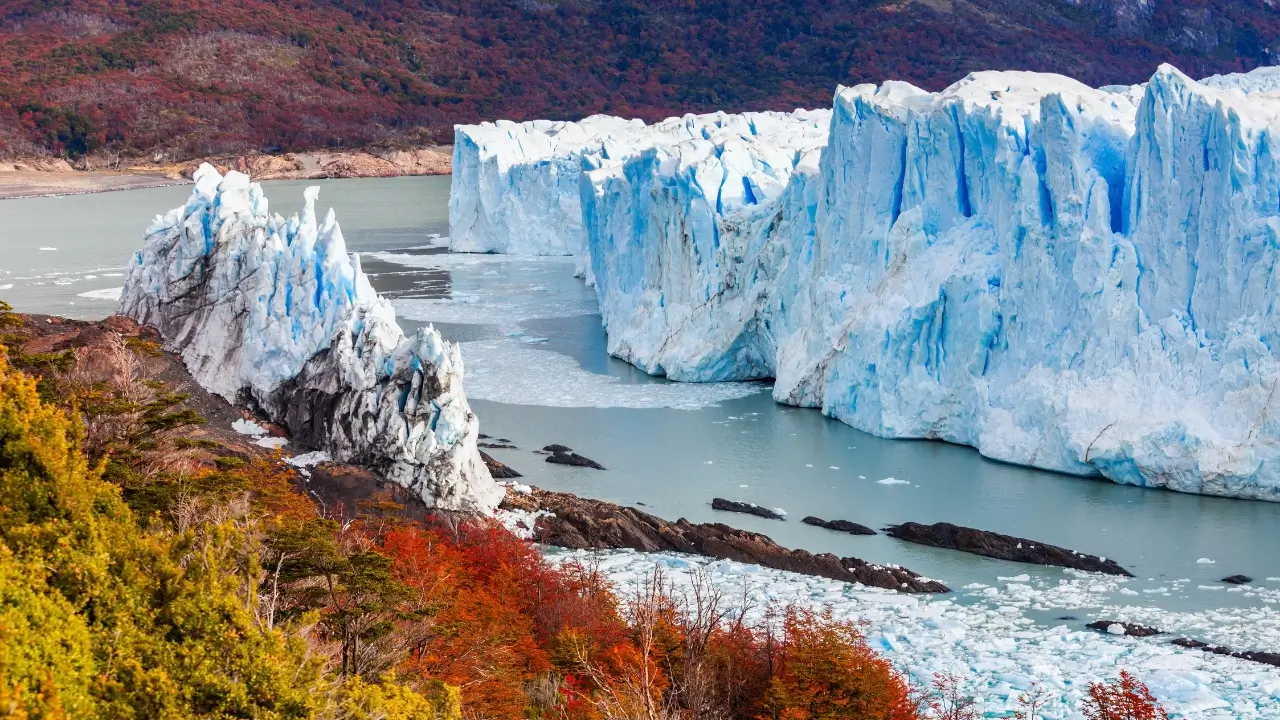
[[1125, 698], [823, 668]]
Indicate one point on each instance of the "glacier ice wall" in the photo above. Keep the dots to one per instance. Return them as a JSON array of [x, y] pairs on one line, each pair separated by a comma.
[[275, 313], [516, 185], [1063, 277]]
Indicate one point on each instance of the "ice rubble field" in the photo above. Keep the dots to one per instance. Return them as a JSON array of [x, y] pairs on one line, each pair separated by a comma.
[[1065, 277], [986, 638]]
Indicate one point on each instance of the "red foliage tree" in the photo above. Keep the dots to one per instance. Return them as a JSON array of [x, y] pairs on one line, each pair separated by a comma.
[[1125, 698], [824, 669]]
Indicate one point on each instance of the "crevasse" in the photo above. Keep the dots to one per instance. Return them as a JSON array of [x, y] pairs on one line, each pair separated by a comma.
[[1063, 277], [275, 313]]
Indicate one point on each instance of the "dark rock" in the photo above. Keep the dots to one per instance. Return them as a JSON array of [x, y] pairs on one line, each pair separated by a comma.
[[557, 449], [349, 491], [1265, 658], [1237, 580], [482, 436], [1068, 617], [497, 446], [580, 523], [1134, 629], [498, 470], [1001, 547], [745, 507], [503, 440], [852, 528], [574, 459]]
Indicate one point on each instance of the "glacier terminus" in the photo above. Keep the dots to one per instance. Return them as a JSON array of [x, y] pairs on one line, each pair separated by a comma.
[[1071, 278]]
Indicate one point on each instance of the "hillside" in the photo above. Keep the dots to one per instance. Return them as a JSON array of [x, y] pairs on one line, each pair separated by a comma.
[[180, 78]]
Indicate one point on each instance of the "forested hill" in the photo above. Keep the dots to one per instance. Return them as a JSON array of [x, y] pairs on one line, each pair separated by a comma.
[[190, 77]]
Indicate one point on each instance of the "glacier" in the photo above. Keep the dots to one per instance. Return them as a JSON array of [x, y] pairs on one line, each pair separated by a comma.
[[1062, 277], [275, 314]]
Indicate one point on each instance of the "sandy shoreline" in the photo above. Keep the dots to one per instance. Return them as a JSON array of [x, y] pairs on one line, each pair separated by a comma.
[[27, 184], [43, 178]]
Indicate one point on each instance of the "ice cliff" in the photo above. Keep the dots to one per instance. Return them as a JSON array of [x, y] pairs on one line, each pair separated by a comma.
[[515, 185], [275, 313]]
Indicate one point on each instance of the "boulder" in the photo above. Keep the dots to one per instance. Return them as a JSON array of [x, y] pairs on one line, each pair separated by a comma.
[[1002, 547], [745, 507], [845, 526]]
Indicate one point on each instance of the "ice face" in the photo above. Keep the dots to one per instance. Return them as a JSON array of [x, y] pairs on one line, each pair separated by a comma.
[[1062, 277], [274, 312], [516, 185]]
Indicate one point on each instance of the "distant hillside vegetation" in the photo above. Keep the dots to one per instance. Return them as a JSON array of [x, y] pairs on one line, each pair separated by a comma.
[[184, 78]]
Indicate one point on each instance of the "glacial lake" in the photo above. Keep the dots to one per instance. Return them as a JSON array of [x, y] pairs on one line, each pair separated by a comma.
[[538, 373]]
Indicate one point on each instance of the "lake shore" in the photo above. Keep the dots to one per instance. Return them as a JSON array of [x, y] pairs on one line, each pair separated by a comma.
[[43, 177]]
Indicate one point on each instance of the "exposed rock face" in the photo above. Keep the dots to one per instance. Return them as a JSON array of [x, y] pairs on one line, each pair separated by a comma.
[[592, 524], [1124, 628], [1002, 547], [1266, 658], [574, 459], [745, 507], [499, 470], [336, 164], [274, 313], [846, 526]]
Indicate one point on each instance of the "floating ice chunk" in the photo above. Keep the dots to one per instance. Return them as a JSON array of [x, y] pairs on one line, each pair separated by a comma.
[[1205, 561], [103, 294], [893, 481]]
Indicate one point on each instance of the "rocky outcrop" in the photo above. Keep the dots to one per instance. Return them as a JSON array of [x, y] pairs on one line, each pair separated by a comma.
[[1237, 580], [1002, 547], [334, 164], [562, 455], [746, 508], [844, 526], [274, 314], [1266, 658], [499, 470], [1114, 627], [579, 523]]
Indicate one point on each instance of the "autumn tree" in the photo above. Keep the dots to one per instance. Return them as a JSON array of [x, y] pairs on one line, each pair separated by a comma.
[[824, 669], [1124, 698]]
